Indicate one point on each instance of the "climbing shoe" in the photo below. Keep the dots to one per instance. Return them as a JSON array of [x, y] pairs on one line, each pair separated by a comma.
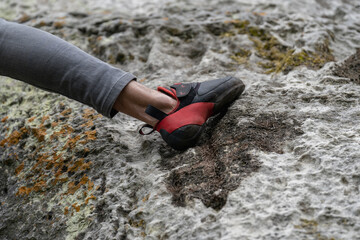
[[196, 102]]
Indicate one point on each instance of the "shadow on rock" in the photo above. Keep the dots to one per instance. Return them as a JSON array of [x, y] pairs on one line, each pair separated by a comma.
[[222, 160]]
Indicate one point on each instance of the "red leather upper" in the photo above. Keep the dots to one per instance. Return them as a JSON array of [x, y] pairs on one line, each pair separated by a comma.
[[196, 113]]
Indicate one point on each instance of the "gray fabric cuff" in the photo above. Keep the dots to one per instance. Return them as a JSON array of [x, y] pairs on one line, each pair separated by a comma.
[[107, 108]]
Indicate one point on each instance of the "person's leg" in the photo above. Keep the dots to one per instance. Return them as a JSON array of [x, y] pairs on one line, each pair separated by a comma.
[[41, 59]]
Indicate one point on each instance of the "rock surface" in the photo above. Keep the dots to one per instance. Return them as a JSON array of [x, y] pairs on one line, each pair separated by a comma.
[[281, 163], [350, 68]]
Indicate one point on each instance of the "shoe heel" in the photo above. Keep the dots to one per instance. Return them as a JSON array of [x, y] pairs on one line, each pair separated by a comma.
[[182, 138]]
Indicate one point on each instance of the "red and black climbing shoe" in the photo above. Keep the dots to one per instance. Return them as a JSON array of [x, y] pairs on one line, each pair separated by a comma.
[[196, 102]]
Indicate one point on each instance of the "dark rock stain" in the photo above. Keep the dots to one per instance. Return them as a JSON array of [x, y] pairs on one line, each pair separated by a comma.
[[350, 68], [222, 159]]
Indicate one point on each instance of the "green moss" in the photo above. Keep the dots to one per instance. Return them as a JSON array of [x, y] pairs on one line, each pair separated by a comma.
[[227, 34], [311, 228], [241, 56], [276, 56]]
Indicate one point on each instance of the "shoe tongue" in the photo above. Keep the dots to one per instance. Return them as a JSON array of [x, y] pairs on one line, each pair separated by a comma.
[[181, 89], [167, 91]]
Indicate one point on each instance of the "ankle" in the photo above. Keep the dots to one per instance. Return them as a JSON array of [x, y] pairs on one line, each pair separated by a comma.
[[170, 105], [166, 103]]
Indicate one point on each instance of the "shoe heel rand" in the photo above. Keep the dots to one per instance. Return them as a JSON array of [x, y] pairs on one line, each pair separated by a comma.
[[193, 114], [183, 137]]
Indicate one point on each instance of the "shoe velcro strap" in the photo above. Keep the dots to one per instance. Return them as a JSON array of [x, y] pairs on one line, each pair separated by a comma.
[[155, 113]]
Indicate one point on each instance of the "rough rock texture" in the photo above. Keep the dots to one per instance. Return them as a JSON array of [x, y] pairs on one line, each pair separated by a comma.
[[281, 163], [350, 68]]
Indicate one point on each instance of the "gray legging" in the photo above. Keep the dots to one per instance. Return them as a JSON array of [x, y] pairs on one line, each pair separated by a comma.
[[46, 61]]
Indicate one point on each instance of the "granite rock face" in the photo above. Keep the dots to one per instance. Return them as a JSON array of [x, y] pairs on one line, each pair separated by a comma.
[[280, 163]]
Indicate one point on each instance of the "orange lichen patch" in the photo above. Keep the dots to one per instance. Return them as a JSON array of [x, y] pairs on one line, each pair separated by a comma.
[[54, 124], [66, 210], [22, 191], [62, 180], [71, 142], [14, 137], [39, 186], [50, 167], [62, 132], [58, 173], [42, 23], [90, 185], [57, 157], [85, 166], [24, 18], [42, 158], [77, 165], [89, 198], [39, 133], [90, 135], [4, 119], [146, 198], [237, 22], [44, 118], [59, 24], [19, 169], [72, 187], [262, 14], [89, 123], [31, 119], [84, 180], [90, 114], [65, 130], [76, 207], [68, 129], [66, 112]]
